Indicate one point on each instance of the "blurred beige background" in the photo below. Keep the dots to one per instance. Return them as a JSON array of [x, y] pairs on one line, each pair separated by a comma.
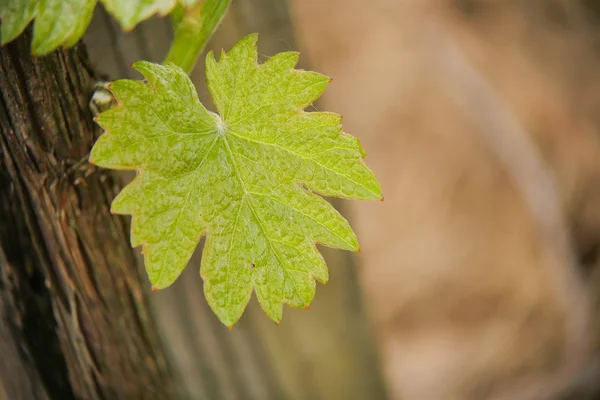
[[472, 268]]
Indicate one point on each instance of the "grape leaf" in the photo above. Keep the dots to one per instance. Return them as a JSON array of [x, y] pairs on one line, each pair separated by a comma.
[[131, 12], [247, 178], [63, 22], [58, 22]]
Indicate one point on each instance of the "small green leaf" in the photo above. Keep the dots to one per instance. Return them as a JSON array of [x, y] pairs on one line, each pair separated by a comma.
[[131, 12], [63, 22], [58, 22], [15, 16], [247, 178]]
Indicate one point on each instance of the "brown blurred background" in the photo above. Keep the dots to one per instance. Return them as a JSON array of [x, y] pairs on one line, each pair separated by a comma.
[[477, 277]]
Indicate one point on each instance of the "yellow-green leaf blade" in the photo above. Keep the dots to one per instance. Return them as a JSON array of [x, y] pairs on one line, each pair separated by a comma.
[[249, 179]]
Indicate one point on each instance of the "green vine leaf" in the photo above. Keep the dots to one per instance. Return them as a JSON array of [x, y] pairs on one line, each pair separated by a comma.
[[63, 22], [131, 12], [246, 178]]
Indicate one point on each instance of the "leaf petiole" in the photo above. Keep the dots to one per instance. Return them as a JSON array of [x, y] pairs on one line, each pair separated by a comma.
[[193, 28]]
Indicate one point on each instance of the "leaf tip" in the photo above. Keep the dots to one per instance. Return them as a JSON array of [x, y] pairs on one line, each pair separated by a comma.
[[143, 67], [230, 327], [128, 27], [138, 64], [381, 198], [37, 52], [154, 289], [306, 306], [249, 40]]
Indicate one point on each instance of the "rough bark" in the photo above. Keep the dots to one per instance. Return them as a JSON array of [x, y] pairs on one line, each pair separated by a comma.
[[74, 315]]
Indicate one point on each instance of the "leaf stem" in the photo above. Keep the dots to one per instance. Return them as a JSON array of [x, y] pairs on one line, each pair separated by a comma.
[[193, 28]]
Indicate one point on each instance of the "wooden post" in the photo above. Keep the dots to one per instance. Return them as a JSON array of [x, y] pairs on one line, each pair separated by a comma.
[[74, 316]]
